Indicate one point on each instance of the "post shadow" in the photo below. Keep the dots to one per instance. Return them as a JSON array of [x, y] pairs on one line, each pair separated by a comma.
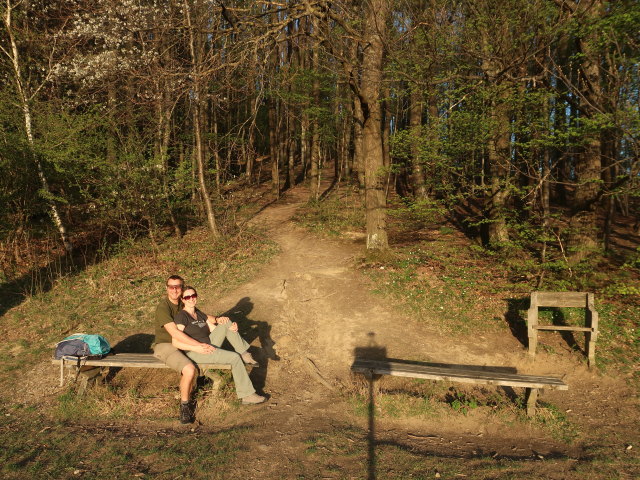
[[371, 351], [517, 323], [250, 330]]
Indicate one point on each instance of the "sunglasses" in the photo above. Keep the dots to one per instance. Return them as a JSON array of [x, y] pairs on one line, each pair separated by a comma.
[[174, 287], [189, 297]]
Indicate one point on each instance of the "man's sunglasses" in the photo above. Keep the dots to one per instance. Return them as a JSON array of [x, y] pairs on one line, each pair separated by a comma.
[[174, 287], [189, 297]]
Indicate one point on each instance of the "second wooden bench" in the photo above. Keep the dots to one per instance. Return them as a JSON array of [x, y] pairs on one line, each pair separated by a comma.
[[463, 374]]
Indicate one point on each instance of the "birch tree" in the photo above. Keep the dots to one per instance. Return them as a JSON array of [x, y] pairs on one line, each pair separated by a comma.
[[26, 91]]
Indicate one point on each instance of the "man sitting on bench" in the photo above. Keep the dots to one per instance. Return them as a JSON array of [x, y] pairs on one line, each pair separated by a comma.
[[166, 330]]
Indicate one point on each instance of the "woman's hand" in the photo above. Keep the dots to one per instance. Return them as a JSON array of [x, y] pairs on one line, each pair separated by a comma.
[[205, 348], [222, 320], [233, 327]]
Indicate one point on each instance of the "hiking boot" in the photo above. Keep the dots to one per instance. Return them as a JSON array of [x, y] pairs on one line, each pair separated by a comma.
[[253, 399], [185, 413], [248, 359], [193, 404]]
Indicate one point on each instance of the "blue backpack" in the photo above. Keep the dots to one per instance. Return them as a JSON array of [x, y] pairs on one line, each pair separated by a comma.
[[82, 345]]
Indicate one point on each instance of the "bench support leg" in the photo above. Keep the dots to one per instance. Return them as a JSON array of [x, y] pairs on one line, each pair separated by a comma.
[[533, 342], [590, 341], [88, 377], [531, 396], [215, 378]]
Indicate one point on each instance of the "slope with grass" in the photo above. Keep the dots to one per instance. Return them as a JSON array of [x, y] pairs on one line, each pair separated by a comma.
[[309, 302]]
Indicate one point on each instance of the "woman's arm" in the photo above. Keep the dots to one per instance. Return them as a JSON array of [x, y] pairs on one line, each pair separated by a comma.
[[182, 341], [213, 321], [177, 334], [217, 320], [200, 348]]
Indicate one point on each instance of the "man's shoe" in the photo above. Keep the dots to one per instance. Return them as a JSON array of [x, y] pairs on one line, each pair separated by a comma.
[[253, 399], [193, 404], [248, 359], [185, 413]]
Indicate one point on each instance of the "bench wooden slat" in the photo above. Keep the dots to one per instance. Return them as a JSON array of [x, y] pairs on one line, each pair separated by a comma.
[[141, 360], [457, 374], [562, 299], [563, 327]]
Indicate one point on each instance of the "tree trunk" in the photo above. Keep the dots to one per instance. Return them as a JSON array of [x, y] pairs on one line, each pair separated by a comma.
[[375, 20], [346, 130], [216, 150], [416, 178], [358, 154], [197, 127], [498, 156], [164, 134], [583, 238], [315, 123], [23, 99], [273, 145]]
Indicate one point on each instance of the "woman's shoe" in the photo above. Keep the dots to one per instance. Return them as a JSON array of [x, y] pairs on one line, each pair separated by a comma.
[[253, 399], [248, 359]]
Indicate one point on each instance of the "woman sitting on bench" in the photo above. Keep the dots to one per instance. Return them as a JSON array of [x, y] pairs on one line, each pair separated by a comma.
[[213, 331]]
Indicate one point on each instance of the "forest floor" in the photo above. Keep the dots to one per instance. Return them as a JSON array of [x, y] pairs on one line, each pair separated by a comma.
[[308, 312]]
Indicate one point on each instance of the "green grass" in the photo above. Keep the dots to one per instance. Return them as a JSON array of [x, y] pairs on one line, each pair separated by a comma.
[[46, 448], [357, 454], [434, 281], [555, 421]]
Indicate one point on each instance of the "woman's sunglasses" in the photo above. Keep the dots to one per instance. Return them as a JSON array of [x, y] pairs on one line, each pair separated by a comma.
[[189, 297]]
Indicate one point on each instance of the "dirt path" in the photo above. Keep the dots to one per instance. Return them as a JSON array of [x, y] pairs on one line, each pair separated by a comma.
[[319, 311]]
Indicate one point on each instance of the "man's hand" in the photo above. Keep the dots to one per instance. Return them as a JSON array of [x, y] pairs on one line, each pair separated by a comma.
[[233, 327], [222, 320]]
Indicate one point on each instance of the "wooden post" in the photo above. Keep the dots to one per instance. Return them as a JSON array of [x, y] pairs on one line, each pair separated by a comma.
[[592, 336], [531, 395], [88, 376], [215, 378], [532, 323]]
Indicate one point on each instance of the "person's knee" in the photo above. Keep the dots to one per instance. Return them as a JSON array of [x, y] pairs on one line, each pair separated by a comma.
[[189, 371], [236, 359]]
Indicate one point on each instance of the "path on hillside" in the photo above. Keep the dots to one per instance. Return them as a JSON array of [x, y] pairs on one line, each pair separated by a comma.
[[320, 311]]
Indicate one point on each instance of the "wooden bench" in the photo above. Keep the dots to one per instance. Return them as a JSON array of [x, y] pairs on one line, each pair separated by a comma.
[[560, 300], [463, 374], [87, 370]]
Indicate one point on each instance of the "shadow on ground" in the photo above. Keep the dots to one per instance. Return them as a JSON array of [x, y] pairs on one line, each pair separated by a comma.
[[251, 330]]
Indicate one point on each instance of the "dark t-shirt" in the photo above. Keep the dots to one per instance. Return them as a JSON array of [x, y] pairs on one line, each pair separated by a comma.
[[165, 312], [194, 327]]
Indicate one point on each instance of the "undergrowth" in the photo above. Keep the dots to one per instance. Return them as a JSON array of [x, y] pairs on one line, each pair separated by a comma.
[[333, 216]]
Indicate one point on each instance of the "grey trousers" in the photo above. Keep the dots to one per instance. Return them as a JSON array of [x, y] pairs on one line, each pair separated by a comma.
[[244, 387]]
